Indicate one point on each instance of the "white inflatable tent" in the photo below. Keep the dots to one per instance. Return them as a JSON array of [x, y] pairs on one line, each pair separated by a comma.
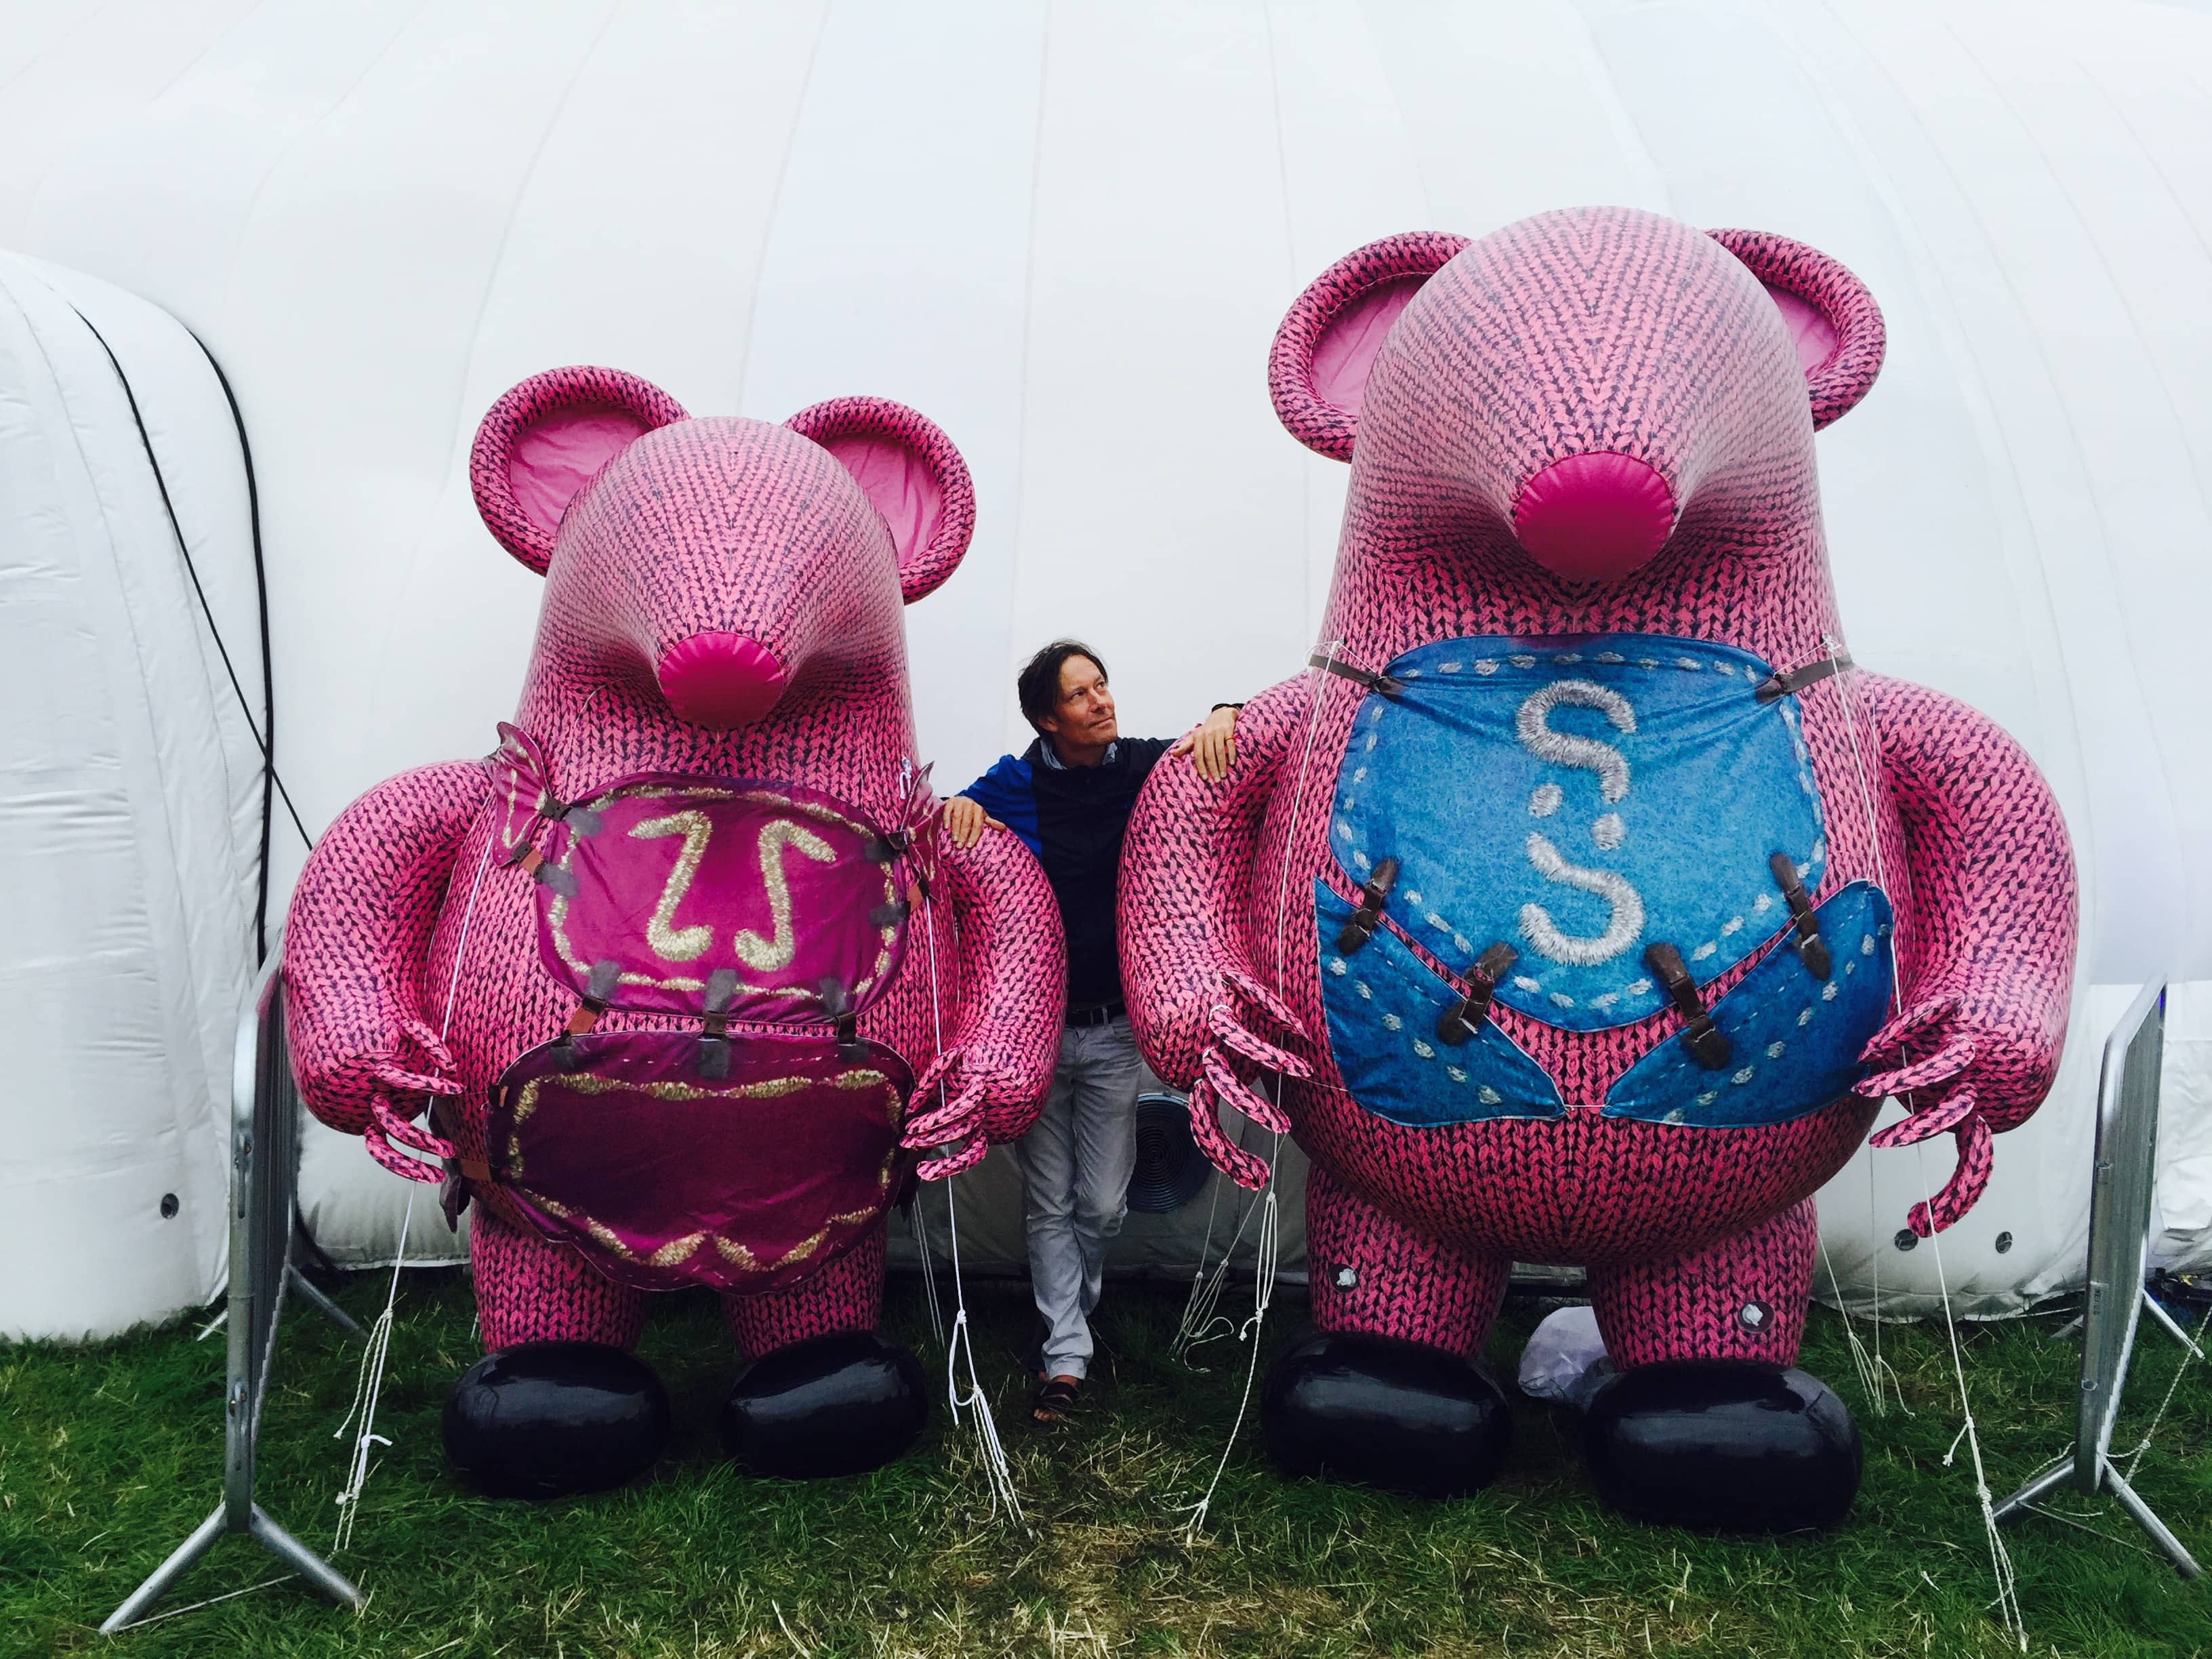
[[132, 821], [1067, 233]]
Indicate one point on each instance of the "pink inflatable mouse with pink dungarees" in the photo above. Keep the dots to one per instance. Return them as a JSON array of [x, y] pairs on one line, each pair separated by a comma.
[[677, 965], [1584, 896]]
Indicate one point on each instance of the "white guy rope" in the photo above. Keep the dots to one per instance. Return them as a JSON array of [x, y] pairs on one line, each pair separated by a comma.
[[369, 1385], [1876, 1376], [1266, 1247], [1201, 1321], [2008, 1602], [2008, 1599], [1198, 1315], [194, 1606], [2135, 1457], [998, 1474], [1869, 1368], [929, 1272], [1263, 1290]]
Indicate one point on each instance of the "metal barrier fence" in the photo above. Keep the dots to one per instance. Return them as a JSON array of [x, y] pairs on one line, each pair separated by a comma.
[[2120, 1206], [264, 1150]]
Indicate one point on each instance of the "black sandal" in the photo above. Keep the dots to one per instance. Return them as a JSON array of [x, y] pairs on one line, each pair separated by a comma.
[[1054, 1401]]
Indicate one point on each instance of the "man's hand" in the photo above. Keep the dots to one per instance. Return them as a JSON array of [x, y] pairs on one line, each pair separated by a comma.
[[1211, 745], [965, 820]]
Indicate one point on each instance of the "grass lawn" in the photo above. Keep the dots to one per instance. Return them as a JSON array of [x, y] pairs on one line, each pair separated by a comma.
[[110, 1455]]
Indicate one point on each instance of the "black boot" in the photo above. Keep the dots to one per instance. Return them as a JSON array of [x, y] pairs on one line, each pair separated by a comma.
[[842, 1404], [545, 1419], [1724, 1446], [1386, 1413]]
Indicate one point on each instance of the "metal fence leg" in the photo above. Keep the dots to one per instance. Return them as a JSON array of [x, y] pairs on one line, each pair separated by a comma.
[[327, 1579], [2050, 1481], [2184, 1562], [303, 1288], [2173, 1325], [158, 1582]]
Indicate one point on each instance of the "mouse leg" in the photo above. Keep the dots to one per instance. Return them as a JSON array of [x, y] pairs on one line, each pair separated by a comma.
[[558, 1404], [823, 1393], [1710, 1424], [1386, 1394]]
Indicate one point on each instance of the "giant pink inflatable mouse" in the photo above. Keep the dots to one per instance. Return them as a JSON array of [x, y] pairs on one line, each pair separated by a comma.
[[678, 962], [1585, 897]]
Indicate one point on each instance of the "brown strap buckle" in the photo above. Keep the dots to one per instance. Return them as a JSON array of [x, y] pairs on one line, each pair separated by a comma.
[[1812, 949], [545, 873], [599, 992], [454, 1191], [581, 820], [714, 1040], [1699, 1036], [1359, 927], [1775, 687], [1384, 685], [1458, 1022]]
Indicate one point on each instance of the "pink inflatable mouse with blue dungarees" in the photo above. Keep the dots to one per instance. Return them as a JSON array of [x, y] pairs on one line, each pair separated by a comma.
[[1583, 897]]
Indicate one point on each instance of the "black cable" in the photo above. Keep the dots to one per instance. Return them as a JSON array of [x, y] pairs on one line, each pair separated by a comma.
[[270, 778], [270, 781], [265, 734]]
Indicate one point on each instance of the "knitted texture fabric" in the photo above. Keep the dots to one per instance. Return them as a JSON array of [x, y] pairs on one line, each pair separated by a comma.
[[1594, 332], [652, 531]]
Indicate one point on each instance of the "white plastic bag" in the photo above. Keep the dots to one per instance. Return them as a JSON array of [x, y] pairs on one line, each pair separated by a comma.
[[1565, 1359]]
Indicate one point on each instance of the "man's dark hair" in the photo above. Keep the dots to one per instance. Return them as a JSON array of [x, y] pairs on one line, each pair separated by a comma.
[[1038, 687]]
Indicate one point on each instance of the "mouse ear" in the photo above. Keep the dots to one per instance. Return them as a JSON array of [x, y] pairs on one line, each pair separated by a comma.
[[1832, 316], [1317, 371], [906, 466], [547, 437]]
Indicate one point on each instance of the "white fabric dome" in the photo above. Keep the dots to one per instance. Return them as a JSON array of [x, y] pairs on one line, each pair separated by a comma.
[[1067, 233], [130, 808]]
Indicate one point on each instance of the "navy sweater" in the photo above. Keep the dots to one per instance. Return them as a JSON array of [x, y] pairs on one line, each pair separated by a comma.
[[1073, 819]]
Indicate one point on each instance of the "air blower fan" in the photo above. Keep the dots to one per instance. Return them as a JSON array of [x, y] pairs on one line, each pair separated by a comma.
[[1170, 1169]]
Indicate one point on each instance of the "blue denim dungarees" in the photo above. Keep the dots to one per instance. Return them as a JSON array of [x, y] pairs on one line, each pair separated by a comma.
[[1584, 801]]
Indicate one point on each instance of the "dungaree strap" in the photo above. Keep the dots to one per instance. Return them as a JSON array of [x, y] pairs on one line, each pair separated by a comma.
[[1811, 950], [599, 992], [1776, 687], [1458, 1022], [1381, 684], [1699, 1035], [1359, 927], [714, 1039]]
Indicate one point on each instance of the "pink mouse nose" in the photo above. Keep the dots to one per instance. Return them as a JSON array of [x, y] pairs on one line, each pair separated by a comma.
[[721, 680], [1594, 518]]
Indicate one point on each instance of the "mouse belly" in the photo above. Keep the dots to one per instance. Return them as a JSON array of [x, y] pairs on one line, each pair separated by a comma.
[[1579, 1189]]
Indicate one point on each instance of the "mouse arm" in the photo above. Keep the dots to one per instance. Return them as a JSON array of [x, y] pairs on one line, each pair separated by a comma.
[[357, 950], [1195, 996], [1987, 973], [1005, 999]]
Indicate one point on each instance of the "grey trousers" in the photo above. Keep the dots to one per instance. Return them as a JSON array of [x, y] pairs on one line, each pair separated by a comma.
[[1075, 1167]]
